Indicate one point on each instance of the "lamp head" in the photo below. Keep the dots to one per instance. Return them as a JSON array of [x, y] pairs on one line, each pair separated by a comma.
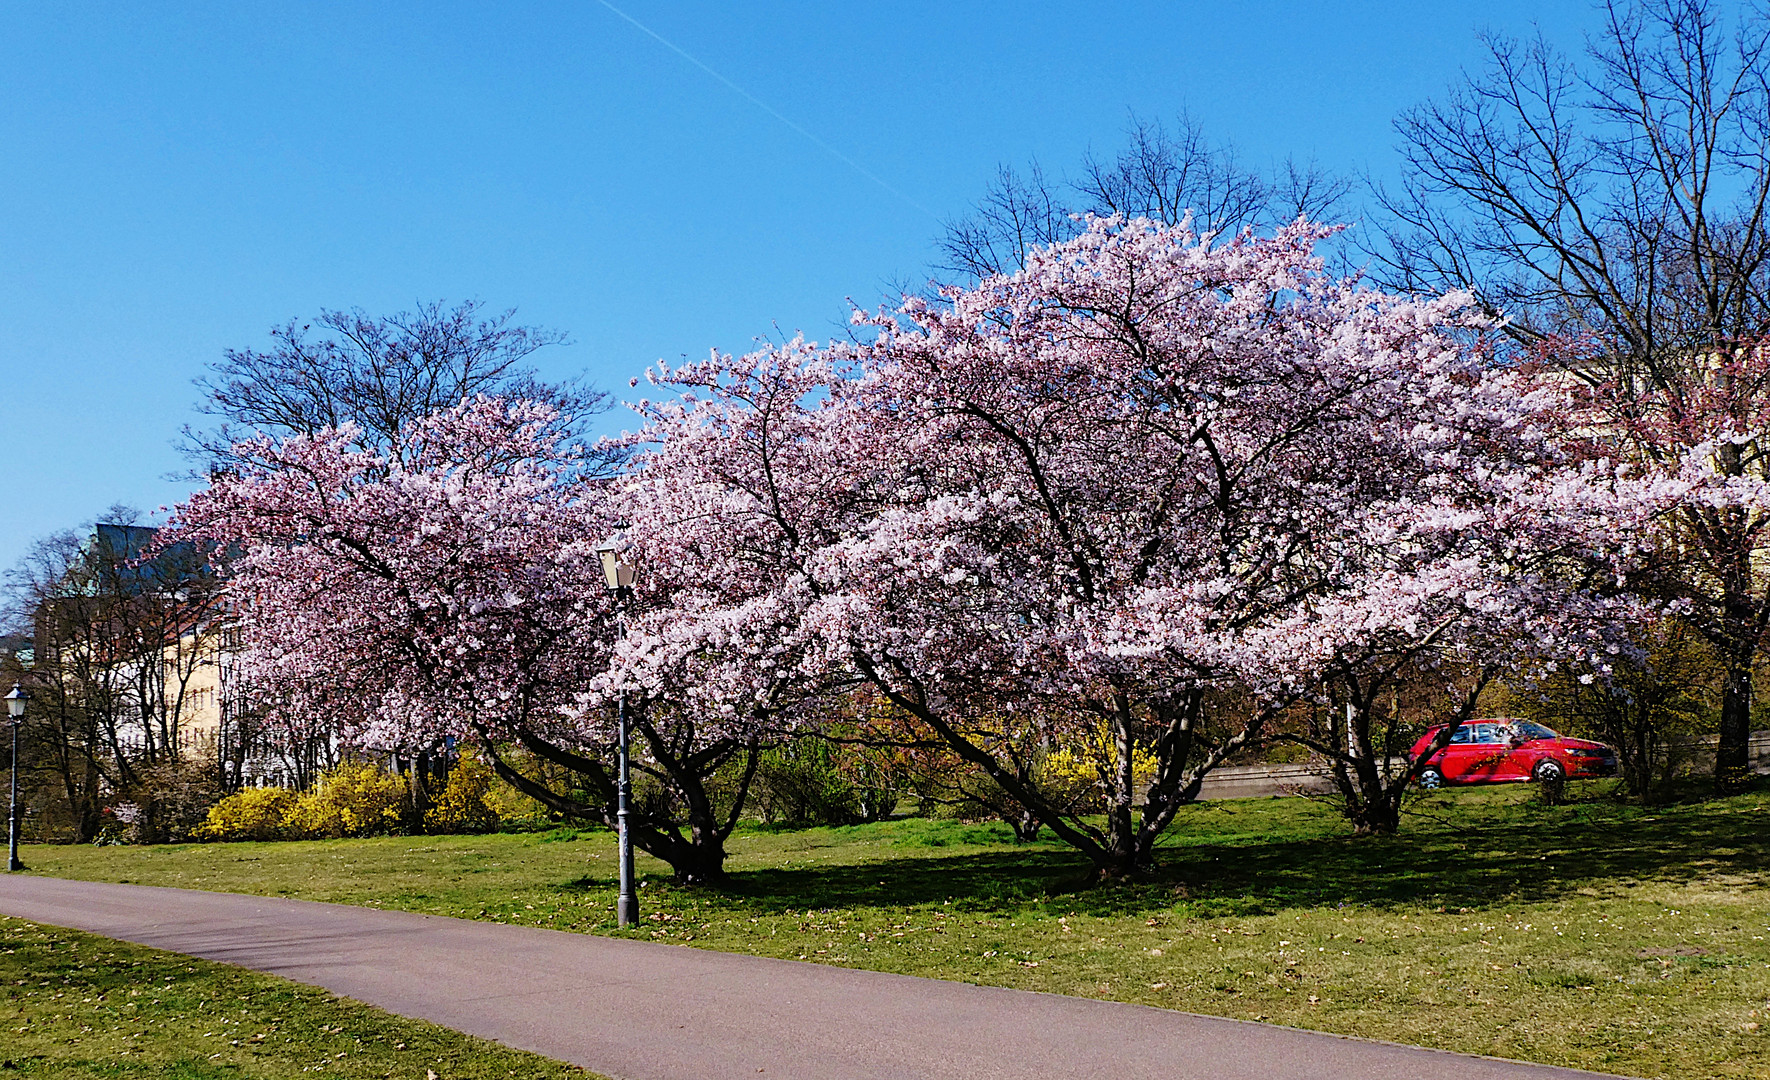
[[615, 570], [15, 701]]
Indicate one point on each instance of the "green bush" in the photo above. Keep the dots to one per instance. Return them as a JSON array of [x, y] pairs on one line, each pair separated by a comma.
[[818, 782]]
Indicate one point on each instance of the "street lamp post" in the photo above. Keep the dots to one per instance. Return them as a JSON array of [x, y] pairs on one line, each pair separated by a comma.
[[619, 576], [15, 715]]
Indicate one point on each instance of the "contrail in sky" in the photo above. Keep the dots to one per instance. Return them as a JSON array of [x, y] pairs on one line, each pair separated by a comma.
[[767, 108]]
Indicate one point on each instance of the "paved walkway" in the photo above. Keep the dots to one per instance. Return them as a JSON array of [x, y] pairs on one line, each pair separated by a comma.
[[642, 1011]]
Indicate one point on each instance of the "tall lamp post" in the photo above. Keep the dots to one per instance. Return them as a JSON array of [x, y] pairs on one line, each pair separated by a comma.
[[15, 716], [619, 576]]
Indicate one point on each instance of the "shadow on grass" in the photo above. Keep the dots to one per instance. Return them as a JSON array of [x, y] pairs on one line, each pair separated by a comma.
[[1452, 856]]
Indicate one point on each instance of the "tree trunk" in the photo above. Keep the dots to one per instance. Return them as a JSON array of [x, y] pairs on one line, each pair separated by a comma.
[[1370, 799], [418, 785], [1121, 829], [1638, 753], [1376, 817], [702, 862], [87, 821], [697, 858], [1732, 755], [1114, 866]]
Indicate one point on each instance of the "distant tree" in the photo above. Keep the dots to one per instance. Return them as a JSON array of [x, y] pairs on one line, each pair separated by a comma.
[[1648, 710], [1614, 216], [1164, 173], [378, 373], [118, 633]]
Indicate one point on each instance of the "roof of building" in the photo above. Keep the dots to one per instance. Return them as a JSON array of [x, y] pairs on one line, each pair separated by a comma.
[[130, 553]]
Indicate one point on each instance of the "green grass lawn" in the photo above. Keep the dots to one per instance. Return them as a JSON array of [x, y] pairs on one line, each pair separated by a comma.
[[78, 1007], [1593, 934]]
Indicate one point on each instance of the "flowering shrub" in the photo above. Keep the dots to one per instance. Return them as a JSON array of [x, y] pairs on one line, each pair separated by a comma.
[[362, 799], [251, 814], [1075, 772], [461, 806], [355, 799]]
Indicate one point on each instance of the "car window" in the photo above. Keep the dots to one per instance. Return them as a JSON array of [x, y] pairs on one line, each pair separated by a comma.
[[1528, 730], [1487, 733], [1463, 734]]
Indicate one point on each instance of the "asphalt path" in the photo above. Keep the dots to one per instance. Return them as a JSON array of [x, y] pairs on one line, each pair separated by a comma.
[[637, 1010]]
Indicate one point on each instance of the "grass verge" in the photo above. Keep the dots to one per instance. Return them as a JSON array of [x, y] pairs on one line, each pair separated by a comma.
[[73, 1005], [1593, 935]]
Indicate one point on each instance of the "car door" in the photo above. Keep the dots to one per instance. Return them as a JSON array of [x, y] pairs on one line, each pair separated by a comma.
[[1489, 751], [1520, 756], [1460, 754]]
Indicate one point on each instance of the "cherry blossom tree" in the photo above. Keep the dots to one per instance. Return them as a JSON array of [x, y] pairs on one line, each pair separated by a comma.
[[1152, 466], [1093, 503], [452, 589], [1133, 501], [739, 479]]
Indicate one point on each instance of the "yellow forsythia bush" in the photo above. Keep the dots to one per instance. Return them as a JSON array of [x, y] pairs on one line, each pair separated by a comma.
[[363, 799], [249, 814], [516, 809], [1074, 770], [357, 799], [462, 806], [354, 799]]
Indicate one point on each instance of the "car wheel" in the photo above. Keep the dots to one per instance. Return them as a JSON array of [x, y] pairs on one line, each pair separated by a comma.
[[1548, 772], [1430, 778]]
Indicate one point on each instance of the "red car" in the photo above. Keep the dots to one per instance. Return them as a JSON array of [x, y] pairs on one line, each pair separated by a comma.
[[1499, 750]]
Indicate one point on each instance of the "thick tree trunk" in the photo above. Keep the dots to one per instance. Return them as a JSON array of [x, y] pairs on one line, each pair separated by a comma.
[[1122, 850], [696, 857], [1737, 636], [701, 861], [1377, 817], [704, 861]]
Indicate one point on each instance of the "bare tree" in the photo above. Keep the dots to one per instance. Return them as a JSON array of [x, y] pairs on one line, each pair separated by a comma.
[[1163, 173], [1619, 201], [379, 372], [119, 630], [1650, 712], [1018, 212], [71, 735]]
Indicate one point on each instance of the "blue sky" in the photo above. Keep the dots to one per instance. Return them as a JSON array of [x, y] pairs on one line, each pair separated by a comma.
[[174, 181]]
